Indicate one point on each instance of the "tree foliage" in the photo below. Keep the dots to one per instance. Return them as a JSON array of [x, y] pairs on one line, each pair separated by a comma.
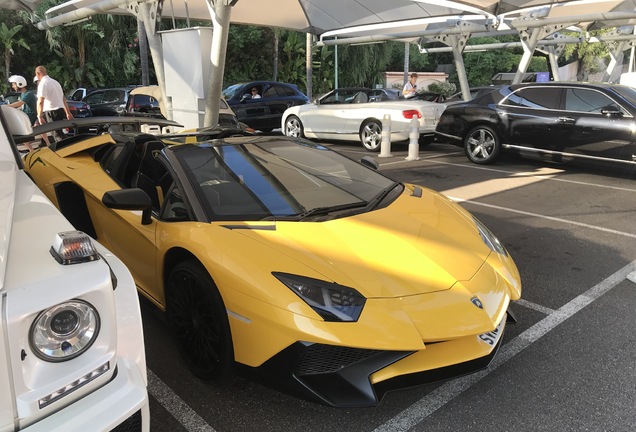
[[590, 56], [9, 39]]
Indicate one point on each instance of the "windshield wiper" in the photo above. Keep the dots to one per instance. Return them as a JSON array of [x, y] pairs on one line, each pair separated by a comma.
[[326, 210], [379, 197]]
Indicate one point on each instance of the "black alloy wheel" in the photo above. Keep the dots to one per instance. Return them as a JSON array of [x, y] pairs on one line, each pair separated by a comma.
[[199, 320]]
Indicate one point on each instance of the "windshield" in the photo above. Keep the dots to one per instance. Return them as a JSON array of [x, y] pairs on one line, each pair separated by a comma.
[[271, 178], [628, 93], [232, 90]]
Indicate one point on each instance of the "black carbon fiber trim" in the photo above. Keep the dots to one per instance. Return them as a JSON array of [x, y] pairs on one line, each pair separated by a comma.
[[131, 424], [319, 359]]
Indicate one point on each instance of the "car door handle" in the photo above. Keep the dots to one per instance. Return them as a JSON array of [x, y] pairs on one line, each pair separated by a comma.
[[566, 120]]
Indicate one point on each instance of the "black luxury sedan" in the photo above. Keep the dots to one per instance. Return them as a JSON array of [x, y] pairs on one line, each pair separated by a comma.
[[260, 104], [557, 121], [107, 102]]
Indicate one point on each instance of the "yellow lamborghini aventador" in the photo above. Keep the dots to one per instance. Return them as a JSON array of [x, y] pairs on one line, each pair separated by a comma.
[[309, 270]]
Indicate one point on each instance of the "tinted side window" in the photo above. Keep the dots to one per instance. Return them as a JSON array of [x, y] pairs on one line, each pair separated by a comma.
[[586, 100], [284, 91], [113, 96], [535, 98], [77, 95], [94, 98], [143, 101], [270, 91]]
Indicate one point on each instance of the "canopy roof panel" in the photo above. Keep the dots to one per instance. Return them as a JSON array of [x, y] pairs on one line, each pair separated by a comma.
[[23, 5], [360, 18]]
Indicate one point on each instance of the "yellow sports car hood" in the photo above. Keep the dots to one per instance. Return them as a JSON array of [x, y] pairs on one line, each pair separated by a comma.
[[416, 245]]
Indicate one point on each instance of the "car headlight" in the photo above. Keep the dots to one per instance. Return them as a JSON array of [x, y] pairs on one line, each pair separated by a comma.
[[333, 302], [64, 331], [489, 238]]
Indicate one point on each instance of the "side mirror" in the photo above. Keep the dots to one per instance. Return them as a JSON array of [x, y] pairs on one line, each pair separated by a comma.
[[245, 97], [611, 111], [369, 162], [129, 199]]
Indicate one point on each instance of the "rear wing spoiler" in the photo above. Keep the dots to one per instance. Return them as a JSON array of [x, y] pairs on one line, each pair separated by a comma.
[[95, 125]]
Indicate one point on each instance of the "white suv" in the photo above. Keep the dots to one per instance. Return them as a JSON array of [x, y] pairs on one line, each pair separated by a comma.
[[71, 339]]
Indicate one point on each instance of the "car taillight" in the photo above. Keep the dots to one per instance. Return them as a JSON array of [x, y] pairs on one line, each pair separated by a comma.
[[411, 113]]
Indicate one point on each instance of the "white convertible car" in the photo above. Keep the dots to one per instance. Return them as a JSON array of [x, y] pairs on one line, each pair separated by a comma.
[[356, 114]]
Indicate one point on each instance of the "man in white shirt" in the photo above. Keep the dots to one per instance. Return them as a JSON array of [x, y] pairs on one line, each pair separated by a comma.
[[52, 104], [410, 88]]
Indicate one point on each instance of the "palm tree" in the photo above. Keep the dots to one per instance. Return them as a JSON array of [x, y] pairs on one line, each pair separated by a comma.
[[8, 40]]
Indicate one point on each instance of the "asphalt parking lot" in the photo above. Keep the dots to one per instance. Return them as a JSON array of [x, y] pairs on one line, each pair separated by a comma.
[[567, 365]]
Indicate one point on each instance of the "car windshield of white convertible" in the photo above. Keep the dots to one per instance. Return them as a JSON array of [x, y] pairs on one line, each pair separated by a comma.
[[279, 179]]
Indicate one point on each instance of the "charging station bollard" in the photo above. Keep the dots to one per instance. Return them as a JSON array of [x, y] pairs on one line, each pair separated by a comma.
[[414, 144], [385, 145]]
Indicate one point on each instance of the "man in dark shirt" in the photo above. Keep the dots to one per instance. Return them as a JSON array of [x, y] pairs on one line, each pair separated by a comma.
[[28, 101]]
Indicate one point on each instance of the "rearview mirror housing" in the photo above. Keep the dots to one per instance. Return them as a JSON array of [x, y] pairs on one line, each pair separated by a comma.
[[129, 199]]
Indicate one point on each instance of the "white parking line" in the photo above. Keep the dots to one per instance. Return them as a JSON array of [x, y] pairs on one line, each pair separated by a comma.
[[551, 218], [180, 410], [551, 171], [534, 306], [426, 406]]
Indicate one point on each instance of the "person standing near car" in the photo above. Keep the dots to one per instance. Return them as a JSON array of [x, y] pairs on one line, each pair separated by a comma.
[[410, 88], [52, 104], [27, 102]]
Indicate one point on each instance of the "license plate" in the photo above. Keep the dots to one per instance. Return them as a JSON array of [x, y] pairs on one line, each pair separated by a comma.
[[491, 338]]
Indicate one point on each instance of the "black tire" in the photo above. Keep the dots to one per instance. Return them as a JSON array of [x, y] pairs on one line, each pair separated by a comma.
[[294, 127], [482, 145], [425, 140], [371, 135], [197, 314]]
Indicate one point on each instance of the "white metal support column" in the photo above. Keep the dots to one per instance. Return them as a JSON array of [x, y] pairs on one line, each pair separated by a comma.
[[554, 50], [457, 42], [529, 43], [616, 57], [150, 14], [618, 40], [220, 11]]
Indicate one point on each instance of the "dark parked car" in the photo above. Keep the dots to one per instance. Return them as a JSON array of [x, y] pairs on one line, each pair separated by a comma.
[[107, 102], [559, 121], [79, 109], [263, 113], [475, 92], [146, 101], [79, 93], [8, 98], [428, 96]]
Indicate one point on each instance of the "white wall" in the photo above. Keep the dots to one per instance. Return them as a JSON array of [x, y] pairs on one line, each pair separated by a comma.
[[187, 66]]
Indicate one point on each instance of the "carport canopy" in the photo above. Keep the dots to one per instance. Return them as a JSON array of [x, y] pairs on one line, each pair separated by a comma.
[[357, 21]]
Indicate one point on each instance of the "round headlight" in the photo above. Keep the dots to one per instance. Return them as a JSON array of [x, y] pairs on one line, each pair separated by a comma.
[[64, 331]]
